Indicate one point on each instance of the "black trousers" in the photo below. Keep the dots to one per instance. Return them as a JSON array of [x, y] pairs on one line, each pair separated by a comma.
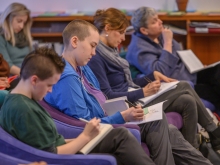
[[124, 147], [208, 85]]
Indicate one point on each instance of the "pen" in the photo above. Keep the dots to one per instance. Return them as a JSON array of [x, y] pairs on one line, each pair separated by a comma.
[[147, 79], [130, 104], [84, 120]]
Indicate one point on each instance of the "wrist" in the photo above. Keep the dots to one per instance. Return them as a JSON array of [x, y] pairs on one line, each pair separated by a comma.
[[144, 92], [84, 137], [124, 115], [168, 43]]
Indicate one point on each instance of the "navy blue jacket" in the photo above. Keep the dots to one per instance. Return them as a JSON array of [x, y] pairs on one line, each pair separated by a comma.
[[112, 79], [148, 56]]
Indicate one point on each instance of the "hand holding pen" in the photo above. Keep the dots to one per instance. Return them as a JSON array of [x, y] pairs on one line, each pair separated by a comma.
[[151, 88], [91, 129], [134, 113]]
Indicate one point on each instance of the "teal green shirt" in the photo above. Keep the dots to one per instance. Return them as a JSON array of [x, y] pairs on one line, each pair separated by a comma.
[[12, 54], [27, 121]]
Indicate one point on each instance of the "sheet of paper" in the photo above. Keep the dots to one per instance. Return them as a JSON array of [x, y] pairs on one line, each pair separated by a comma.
[[190, 60], [152, 113], [164, 88]]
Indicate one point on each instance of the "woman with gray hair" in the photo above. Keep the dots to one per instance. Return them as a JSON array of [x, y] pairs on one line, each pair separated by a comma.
[[113, 75], [15, 35], [152, 48]]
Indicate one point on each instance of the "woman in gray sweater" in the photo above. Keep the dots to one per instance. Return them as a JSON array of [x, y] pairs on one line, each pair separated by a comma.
[[15, 35]]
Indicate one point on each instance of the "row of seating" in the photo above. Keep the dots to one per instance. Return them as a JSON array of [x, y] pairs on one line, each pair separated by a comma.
[[69, 128]]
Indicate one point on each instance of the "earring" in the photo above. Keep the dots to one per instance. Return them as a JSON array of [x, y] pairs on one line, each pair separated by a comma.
[[106, 35]]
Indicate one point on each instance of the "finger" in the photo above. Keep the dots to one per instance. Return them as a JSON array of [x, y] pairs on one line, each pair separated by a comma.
[[155, 86], [138, 106], [172, 80], [156, 82], [139, 115], [139, 118], [139, 110], [98, 127]]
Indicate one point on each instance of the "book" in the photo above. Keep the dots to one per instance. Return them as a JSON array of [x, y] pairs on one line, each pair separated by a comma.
[[104, 130], [112, 106], [204, 24], [214, 13], [176, 30], [163, 88], [204, 30], [191, 61], [151, 113]]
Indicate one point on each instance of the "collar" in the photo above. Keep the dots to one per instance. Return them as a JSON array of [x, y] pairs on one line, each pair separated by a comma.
[[146, 38]]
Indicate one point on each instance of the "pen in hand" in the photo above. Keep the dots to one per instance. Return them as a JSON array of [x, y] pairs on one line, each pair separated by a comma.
[[130, 104], [84, 120], [148, 80]]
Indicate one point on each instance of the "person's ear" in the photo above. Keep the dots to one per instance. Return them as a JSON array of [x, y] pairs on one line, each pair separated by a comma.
[[34, 80], [144, 30], [74, 41], [107, 28]]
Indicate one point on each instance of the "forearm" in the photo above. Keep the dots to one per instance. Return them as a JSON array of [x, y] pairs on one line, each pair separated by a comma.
[[14, 70], [168, 46], [69, 140], [73, 146]]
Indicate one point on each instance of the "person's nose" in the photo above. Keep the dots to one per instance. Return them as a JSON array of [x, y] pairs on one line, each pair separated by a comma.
[[93, 52], [50, 89], [123, 37], [21, 25]]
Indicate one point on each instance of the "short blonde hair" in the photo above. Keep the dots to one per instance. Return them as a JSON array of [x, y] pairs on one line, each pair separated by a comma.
[[6, 18]]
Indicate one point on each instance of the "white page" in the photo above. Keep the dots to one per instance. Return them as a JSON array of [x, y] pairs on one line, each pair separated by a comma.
[[104, 130], [212, 65], [190, 60], [163, 88], [130, 89], [154, 113]]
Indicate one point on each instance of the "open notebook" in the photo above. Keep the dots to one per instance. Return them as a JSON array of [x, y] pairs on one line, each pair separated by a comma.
[[104, 130], [191, 61], [151, 113], [163, 88]]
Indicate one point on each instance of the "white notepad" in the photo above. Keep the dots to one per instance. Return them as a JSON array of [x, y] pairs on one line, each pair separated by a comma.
[[163, 88], [152, 113], [191, 61], [104, 130]]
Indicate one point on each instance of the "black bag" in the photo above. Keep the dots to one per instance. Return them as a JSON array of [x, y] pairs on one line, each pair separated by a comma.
[[208, 152]]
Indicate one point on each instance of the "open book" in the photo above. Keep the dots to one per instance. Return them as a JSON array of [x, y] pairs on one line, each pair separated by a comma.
[[191, 61], [151, 113], [163, 88], [104, 130], [112, 106]]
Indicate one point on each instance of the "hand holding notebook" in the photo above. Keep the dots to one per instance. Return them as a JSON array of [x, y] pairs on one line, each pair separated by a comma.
[[96, 134], [151, 113], [163, 88], [192, 62]]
